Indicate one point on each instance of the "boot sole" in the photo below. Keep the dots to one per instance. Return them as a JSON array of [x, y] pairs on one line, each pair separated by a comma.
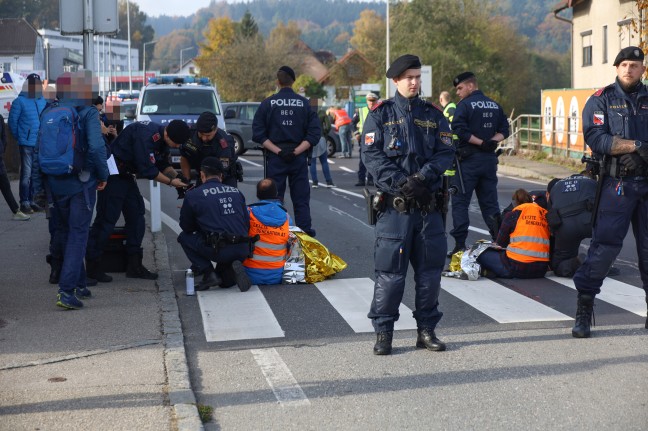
[[420, 345], [242, 280], [579, 335]]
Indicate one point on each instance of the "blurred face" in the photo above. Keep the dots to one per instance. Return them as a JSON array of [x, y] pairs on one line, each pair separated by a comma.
[[206, 137], [464, 89], [409, 83], [371, 103], [630, 72]]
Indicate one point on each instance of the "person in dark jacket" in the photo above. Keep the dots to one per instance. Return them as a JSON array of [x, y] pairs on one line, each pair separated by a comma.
[[5, 185]]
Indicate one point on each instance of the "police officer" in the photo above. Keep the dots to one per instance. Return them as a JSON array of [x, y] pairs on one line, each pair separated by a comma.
[[142, 150], [480, 124], [449, 107], [210, 141], [614, 127], [215, 223], [406, 147], [287, 128], [571, 201]]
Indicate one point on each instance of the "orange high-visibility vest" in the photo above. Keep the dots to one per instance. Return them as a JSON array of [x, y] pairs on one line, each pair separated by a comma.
[[270, 251], [530, 238], [341, 118]]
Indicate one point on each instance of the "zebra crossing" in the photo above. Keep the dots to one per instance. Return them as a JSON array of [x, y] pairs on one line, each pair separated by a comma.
[[228, 314]]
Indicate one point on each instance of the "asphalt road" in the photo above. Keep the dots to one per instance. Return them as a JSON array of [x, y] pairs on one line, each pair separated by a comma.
[[504, 368]]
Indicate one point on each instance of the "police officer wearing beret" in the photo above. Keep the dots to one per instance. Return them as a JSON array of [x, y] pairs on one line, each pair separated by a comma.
[[215, 222], [287, 128], [615, 127], [479, 124], [407, 145], [140, 150], [210, 141]]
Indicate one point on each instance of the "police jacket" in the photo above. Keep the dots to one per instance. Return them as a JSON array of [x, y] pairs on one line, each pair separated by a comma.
[[402, 137], [213, 207], [480, 116], [613, 112], [140, 149], [571, 201], [286, 118], [24, 118], [529, 241], [221, 146]]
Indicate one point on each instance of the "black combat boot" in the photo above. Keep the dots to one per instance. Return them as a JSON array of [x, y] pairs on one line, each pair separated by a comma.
[[383, 344], [458, 247], [209, 279], [55, 271], [241, 277], [584, 316], [135, 269], [93, 270], [427, 340]]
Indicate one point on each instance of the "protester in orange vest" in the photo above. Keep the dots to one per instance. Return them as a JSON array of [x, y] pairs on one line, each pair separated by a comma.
[[342, 123], [270, 220], [525, 234]]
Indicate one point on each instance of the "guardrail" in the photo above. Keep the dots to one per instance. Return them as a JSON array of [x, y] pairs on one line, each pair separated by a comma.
[[527, 133]]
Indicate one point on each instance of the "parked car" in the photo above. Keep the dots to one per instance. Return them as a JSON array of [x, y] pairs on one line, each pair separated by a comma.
[[238, 123]]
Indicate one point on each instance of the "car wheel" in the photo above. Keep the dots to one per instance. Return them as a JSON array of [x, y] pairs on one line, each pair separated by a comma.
[[330, 147], [239, 148]]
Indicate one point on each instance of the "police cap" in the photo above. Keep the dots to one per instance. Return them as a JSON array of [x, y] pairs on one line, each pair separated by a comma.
[[178, 131], [207, 122], [631, 53], [212, 166], [462, 77], [401, 64], [288, 71]]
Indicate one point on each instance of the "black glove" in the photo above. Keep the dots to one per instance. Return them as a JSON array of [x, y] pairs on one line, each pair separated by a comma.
[[183, 190], [239, 171], [631, 161], [643, 151], [183, 178], [489, 146], [287, 156], [416, 189]]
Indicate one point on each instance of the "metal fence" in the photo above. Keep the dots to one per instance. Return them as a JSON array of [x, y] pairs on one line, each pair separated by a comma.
[[562, 137]]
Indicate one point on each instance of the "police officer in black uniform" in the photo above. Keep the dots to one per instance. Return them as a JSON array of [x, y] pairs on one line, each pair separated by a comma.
[[140, 150], [480, 124], [407, 145], [210, 141], [288, 128], [615, 127], [215, 223]]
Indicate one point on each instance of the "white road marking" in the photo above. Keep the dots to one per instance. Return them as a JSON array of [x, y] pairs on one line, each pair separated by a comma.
[[342, 213], [351, 298], [344, 168], [250, 162], [281, 381], [498, 302]]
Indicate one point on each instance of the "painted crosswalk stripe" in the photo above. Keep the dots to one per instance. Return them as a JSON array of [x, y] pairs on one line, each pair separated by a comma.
[[615, 292], [281, 381], [229, 314], [500, 303], [351, 298]]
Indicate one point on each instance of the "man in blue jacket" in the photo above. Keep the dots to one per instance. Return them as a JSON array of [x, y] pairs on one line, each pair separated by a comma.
[[24, 123], [74, 195]]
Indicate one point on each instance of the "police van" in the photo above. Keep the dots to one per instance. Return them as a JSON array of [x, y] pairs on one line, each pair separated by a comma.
[[175, 97]]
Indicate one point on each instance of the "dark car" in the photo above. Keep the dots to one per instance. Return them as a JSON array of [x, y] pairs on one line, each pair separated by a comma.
[[238, 122]]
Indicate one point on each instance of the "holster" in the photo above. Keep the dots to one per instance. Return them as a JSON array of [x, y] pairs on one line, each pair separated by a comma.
[[372, 211]]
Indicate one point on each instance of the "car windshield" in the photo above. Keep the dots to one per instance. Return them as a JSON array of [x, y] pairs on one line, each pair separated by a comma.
[[179, 101]]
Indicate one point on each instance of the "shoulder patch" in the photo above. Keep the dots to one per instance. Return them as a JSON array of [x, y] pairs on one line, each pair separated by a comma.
[[156, 137], [599, 92], [437, 107], [379, 104]]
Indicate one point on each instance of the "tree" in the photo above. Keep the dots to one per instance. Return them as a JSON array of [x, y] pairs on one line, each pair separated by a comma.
[[283, 45], [248, 28], [313, 89], [220, 33], [369, 33], [140, 31]]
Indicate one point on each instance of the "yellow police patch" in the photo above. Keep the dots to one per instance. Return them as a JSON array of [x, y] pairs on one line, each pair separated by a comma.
[[391, 123], [446, 138]]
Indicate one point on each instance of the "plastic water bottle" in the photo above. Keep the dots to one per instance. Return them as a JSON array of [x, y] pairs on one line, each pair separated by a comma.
[[189, 281]]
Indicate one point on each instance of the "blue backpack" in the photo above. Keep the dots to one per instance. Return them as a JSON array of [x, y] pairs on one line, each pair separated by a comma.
[[61, 143]]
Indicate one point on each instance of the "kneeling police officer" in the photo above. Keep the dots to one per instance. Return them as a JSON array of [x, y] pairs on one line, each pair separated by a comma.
[[214, 220]]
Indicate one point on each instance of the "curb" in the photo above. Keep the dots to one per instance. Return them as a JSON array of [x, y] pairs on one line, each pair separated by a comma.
[[181, 395]]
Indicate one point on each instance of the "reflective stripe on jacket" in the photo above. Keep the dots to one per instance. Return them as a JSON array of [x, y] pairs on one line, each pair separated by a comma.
[[530, 238], [341, 118], [270, 251]]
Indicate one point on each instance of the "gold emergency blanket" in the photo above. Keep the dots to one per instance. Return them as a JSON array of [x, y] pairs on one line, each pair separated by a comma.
[[320, 263]]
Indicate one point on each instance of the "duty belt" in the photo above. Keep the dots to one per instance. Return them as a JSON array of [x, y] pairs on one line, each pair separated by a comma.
[[403, 204]]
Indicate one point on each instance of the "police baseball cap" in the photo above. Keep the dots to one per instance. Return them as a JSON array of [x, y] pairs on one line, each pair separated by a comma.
[[207, 122], [33, 77], [371, 96], [631, 53], [178, 131], [212, 166], [288, 71], [462, 77], [401, 64]]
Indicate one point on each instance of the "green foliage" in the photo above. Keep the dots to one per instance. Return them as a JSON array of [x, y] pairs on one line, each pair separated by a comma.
[[248, 27], [206, 413], [313, 89]]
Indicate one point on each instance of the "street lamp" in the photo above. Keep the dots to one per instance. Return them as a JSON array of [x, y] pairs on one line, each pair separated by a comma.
[[181, 62], [144, 63]]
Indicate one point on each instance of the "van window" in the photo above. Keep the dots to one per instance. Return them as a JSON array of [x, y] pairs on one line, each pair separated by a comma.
[[179, 101]]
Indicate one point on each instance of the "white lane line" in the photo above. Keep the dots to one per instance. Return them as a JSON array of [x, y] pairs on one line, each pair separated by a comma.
[[281, 381], [351, 298], [229, 314], [249, 162], [344, 168], [343, 213], [615, 292], [500, 303]]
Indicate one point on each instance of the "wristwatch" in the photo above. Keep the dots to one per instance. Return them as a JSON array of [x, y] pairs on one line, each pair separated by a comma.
[[638, 144]]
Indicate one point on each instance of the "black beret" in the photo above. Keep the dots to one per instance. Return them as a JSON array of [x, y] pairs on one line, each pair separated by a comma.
[[289, 71], [631, 53], [178, 131], [212, 166], [206, 122], [462, 77], [401, 64]]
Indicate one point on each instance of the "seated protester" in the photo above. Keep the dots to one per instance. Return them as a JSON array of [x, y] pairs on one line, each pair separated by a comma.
[[537, 196], [215, 223], [525, 234], [270, 220]]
